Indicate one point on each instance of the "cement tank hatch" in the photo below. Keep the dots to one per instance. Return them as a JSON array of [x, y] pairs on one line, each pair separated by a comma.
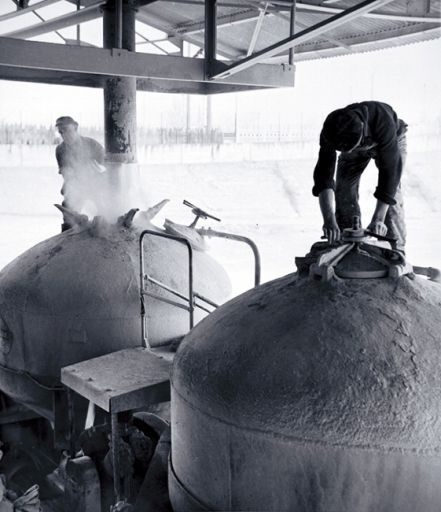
[[354, 257]]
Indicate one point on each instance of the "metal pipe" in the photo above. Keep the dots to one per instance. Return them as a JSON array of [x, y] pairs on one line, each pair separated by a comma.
[[190, 284], [114, 435], [167, 301], [71, 422], [210, 35], [190, 299], [205, 299], [230, 236], [144, 333], [292, 29], [118, 24], [78, 25], [165, 287]]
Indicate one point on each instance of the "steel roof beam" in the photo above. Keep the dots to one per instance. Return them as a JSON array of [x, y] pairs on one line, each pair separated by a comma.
[[284, 6], [156, 22], [257, 29], [149, 41], [301, 25], [300, 37], [142, 84], [225, 20], [19, 12], [96, 62], [377, 15], [66, 20], [244, 17], [221, 3]]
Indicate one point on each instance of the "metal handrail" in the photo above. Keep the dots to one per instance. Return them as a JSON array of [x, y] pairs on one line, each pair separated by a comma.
[[238, 238], [190, 299], [192, 295]]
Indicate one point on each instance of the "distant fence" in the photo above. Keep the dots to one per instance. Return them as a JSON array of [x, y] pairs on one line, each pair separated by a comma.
[[30, 135], [420, 137]]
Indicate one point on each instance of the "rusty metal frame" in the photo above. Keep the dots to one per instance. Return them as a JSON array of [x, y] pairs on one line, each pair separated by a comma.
[[305, 35]]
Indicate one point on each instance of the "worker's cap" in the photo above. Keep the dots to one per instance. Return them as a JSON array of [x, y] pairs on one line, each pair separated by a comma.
[[65, 120], [342, 129]]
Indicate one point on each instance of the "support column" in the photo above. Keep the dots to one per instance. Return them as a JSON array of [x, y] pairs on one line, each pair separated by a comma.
[[120, 105], [210, 36], [120, 92]]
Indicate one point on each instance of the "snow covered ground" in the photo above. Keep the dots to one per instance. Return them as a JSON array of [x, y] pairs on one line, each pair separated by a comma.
[[258, 190]]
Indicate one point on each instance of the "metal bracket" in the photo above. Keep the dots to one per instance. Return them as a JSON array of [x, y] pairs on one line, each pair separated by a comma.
[[355, 239], [324, 267]]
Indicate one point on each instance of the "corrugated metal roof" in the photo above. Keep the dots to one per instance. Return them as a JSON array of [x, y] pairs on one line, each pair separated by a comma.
[[236, 25]]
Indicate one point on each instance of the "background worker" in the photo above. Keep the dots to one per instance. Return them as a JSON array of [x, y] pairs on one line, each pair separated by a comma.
[[361, 132], [80, 162]]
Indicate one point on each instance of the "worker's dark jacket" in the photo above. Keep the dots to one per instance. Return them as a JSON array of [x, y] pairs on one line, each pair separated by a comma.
[[381, 131]]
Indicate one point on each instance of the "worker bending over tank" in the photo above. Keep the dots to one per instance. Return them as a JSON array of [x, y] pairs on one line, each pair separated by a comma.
[[361, 132], [80, 162]]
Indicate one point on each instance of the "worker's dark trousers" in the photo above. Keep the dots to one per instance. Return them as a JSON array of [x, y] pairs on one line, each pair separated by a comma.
[[349, 169]]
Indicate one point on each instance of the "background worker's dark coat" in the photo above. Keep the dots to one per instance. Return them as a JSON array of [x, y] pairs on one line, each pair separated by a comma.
[[79, 155]]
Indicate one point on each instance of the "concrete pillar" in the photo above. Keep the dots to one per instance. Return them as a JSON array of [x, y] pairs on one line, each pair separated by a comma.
[[120, 104]]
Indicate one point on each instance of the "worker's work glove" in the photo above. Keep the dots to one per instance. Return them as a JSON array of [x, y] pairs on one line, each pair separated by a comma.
[[331, 230], [377, 227]]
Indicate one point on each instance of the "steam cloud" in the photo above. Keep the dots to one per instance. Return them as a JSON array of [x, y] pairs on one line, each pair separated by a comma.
[[105, 190]]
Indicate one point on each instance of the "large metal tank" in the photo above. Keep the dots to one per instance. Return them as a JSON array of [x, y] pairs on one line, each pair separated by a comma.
[[76, 296], [310, 396]]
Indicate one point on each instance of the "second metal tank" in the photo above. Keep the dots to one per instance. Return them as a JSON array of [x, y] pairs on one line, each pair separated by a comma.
[[310, 396]]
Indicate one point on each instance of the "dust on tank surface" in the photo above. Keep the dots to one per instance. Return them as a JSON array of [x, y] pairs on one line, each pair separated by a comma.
[[316, 392], [76, 296]]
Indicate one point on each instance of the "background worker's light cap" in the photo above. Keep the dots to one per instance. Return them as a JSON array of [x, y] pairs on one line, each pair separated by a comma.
[[65, 120]]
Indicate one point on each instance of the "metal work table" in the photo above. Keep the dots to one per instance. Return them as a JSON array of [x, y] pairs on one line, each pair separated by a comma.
[[119, 382]]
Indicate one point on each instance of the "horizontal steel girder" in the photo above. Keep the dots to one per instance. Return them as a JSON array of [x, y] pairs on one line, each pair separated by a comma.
[[91, 65], [142, 84]]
